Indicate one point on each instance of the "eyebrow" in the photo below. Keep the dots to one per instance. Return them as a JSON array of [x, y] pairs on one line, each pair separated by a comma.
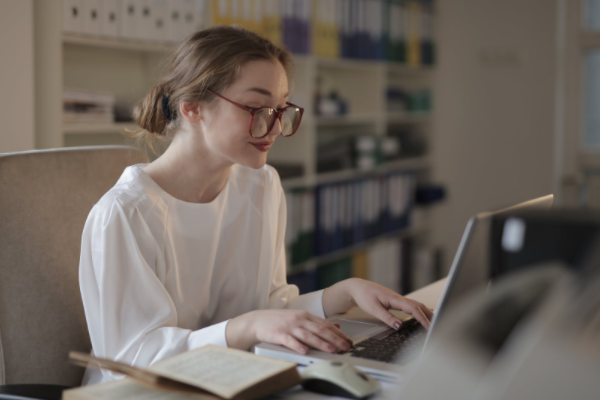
[[263, 91]]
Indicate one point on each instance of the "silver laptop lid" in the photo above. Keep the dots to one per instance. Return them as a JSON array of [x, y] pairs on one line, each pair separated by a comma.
[[469, 268]]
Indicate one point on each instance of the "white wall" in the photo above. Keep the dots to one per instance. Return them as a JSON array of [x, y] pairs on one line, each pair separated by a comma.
[[494, 108], [16, 76]]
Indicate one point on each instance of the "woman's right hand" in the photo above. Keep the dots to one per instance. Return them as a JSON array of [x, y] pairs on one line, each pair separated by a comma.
[[294, 329]]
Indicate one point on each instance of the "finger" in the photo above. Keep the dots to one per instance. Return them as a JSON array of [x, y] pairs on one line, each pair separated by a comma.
[[313, 340], [420, 316], [380, 312], [291, 343], [327, 334], [336, 329], [412, 309], [426, 310], [334, 326]]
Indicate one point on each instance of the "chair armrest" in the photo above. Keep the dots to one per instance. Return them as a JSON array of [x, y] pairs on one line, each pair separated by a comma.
[[31, 391]]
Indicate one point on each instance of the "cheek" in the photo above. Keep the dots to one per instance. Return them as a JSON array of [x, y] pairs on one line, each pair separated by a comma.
[[231, 136]]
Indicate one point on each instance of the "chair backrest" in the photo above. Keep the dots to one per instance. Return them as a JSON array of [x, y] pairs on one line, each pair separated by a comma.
[[45, 198]]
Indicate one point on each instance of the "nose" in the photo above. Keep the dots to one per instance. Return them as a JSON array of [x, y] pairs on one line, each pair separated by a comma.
[[277, 127]]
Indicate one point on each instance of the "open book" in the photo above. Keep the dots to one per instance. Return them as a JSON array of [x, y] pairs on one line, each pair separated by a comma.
[[209, 372]]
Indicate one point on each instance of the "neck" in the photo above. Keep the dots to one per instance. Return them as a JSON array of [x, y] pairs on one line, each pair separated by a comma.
[[189, 171]]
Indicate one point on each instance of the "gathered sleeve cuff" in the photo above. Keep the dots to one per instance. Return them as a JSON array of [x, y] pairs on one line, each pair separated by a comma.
[[311, 302], [214, 334]]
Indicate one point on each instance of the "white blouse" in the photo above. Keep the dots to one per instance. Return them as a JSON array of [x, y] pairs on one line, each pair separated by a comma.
[[160, 276]]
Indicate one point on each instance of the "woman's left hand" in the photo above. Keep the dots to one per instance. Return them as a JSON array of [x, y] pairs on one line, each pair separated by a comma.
[[374, 299]]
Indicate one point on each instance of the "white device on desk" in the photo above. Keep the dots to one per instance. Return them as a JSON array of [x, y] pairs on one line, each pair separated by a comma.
[[338, 379], [469, 270]]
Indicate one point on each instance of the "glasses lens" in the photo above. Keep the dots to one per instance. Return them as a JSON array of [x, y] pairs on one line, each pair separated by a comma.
[[291, 118], [263, 119]]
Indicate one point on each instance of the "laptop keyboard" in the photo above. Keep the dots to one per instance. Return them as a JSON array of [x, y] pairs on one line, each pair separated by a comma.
[[394, 347]]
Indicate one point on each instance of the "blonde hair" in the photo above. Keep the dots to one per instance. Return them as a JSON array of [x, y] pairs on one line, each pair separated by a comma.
[[209, 59]]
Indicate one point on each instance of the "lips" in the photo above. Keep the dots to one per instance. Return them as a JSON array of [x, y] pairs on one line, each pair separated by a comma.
[[262, 146]]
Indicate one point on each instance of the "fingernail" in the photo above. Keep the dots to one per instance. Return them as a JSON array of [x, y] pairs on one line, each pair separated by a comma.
[[397, 324], [331, 348], [303, 350], [345, 346]]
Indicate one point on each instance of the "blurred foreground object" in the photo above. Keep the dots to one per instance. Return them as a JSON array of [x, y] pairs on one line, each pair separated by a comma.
[[533, 335]]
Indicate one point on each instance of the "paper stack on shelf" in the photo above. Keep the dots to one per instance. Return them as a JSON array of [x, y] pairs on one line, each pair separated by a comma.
[[84, 106]]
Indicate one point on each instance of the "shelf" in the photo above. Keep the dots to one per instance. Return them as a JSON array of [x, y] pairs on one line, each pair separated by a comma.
[[119, 44], [414, 163], [314, 262], [90, 128], [407, 118], [403, 164], [157, 47], [349, 119], [394, 67], [291, 183], [349, 64]]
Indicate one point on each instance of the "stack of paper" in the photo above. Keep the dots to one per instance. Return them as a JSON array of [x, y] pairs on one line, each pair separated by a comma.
[[83, 106]]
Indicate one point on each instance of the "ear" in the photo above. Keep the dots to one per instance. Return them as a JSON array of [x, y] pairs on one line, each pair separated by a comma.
[[190, 111]]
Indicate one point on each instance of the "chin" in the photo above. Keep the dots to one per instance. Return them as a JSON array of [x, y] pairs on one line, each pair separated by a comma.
[[254, 163]]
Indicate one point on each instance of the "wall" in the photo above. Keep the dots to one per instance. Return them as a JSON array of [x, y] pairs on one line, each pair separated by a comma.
[[494, 108], [16, 76]]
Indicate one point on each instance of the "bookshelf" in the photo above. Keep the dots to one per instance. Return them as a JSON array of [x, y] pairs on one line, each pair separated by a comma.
[[116, 44], [129, 68], [313, 263]]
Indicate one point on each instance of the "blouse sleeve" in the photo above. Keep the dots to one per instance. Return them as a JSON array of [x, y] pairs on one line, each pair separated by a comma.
[[283, 295], [130, 315]]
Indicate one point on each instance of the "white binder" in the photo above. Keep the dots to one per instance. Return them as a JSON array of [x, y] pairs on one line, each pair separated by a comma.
[[109, 18], [91, 17], [145, 25], [202, 15], [158, 25], [188, 8], [129, 11], [175, 27], [72, 16]]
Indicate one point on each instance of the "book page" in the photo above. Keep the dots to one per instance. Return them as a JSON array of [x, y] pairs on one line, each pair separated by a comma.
[[220, 370], [127, 389]]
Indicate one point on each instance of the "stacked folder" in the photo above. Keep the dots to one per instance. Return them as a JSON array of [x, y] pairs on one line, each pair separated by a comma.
[[395, 30], [338, 215], [388, 263], [350, 212]]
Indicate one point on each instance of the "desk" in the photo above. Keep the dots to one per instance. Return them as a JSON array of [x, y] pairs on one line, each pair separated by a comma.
[[428, 295]]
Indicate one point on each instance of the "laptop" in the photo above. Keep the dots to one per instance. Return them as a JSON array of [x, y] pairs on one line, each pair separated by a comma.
[[384, 352]]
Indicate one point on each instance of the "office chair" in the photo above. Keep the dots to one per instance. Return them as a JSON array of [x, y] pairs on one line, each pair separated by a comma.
[[45, 198]]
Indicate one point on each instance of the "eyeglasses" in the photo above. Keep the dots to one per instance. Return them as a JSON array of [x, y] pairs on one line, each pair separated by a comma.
[[263, 118]]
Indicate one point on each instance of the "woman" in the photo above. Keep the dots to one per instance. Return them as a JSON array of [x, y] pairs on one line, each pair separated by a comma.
[[189, 249]]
